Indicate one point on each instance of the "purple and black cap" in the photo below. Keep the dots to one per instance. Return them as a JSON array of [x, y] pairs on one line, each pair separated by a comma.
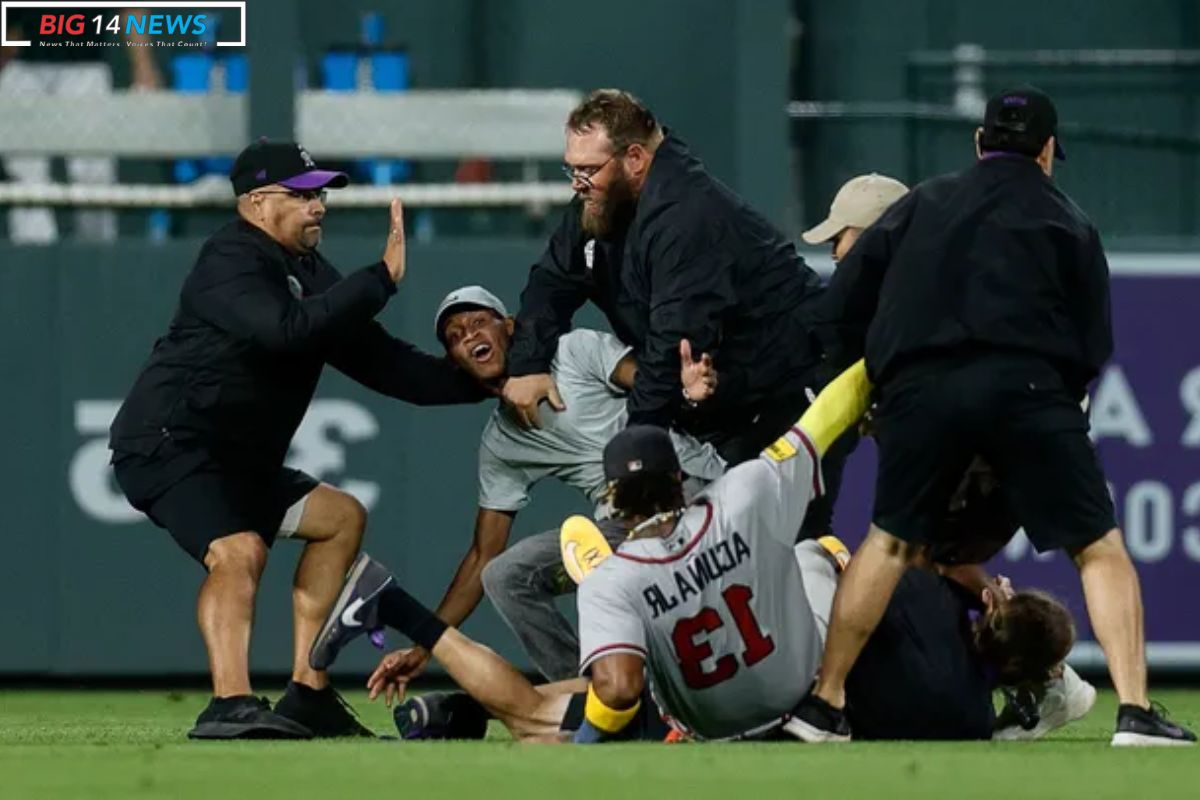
[[1020, 120], [287, 163]]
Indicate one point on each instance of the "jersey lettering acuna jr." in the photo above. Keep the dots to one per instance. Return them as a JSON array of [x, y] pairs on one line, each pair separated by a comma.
[[717, 608]]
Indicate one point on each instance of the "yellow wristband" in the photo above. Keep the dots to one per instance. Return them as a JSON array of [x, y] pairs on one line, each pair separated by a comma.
[[609, 720]]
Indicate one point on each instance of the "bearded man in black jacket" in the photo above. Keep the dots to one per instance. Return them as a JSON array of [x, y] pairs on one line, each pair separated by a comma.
[[674, 259]]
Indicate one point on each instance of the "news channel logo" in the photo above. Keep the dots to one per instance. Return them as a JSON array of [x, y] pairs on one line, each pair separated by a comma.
[[105, 23]]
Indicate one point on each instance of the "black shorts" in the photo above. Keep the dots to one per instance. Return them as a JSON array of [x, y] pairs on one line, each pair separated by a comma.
[[1013, 410], [210, 499]]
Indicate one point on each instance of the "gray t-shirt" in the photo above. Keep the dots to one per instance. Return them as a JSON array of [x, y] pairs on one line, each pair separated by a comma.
[[718, 608], [570, 444]]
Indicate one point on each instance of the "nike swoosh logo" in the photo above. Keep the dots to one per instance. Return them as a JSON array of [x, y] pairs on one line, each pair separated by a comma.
[[349, 615]]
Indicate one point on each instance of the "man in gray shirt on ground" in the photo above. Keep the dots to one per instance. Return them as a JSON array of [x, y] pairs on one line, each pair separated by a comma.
[[593, 372]]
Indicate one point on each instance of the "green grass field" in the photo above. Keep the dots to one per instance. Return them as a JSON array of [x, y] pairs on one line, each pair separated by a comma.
[[93, 744]]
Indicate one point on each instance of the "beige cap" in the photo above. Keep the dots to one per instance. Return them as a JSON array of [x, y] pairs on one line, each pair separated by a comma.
[[858, 204]]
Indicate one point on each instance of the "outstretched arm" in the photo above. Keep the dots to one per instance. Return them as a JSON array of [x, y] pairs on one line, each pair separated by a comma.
[[392, 366], [554, 292], [236, 288], [530, 713], [492, 530]]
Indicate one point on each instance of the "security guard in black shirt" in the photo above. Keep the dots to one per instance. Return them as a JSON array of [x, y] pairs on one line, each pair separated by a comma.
[[199, 442], [669, 253], [981, 303]]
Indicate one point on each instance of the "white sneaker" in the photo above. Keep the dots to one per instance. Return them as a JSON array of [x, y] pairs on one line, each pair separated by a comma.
[[1067, 699]]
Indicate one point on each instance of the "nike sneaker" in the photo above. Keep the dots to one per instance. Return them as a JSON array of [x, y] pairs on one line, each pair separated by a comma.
[[441, 715], [1149, 727], [356, 611]]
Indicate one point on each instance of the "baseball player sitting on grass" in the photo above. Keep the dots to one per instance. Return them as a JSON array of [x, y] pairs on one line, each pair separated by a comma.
[[710, 601]]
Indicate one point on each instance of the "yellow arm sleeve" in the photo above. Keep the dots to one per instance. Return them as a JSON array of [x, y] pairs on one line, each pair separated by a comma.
[[839, 406]]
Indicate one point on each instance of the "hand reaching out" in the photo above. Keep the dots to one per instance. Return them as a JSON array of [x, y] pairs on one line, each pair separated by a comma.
[[394, 253], [699, 377], [394, 672]]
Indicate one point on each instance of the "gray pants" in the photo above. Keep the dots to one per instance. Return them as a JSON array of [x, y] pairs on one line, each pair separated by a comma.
[[820, 578], [522, 583]]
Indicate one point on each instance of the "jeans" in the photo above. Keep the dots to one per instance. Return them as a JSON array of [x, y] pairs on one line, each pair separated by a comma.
[[523, 582]]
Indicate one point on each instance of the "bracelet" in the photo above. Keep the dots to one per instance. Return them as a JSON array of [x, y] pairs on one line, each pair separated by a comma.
[[689, 401]]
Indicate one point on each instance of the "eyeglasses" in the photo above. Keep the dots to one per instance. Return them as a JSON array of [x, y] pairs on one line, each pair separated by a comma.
[[303, 195], [584, 174]]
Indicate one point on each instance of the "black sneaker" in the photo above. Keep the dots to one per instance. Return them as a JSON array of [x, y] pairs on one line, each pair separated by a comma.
[[245, 717], [1149, 727], [441, 715], [815, 721], [356, 611], [322, 711]]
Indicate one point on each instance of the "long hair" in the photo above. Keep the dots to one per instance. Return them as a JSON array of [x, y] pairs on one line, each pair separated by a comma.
[[1025, 638], [646, 495]]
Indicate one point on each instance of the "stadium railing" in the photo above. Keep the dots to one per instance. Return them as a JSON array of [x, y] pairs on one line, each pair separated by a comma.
[[523, 126]]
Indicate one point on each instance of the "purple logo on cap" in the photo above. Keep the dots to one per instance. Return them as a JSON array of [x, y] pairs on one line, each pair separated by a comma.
[[1016, 100], [261, 175]]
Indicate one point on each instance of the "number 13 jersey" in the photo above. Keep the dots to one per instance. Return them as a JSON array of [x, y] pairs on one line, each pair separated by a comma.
[[717, 608]]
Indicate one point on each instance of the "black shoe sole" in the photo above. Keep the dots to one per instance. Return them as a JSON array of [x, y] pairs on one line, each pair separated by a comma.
[[342, 733], [342, 729], [283, 729], [402, 716], [363, 734], [325, 718]]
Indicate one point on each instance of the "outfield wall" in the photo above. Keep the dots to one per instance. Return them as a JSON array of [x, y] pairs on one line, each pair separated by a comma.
[[88, 587]]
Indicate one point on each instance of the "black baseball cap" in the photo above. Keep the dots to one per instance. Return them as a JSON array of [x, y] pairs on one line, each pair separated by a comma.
[[1021, 120], [286, 163], [640, 450]]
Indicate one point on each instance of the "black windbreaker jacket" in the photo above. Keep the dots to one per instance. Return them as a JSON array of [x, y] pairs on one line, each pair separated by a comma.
[[241, 359], [993, 257], [696, 262]]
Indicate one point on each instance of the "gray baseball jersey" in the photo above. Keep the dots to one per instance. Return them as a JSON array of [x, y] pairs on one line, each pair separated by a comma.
[[570, 444], [717, 608]]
